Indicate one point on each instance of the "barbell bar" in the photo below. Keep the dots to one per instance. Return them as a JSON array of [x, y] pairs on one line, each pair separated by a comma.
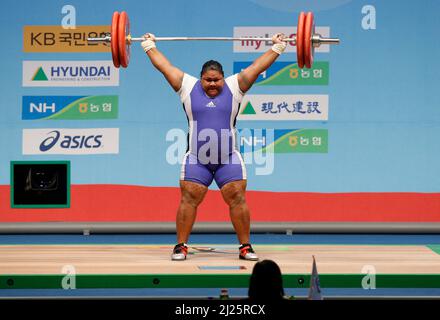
[[107, 39], [317, 39], [120, 39]]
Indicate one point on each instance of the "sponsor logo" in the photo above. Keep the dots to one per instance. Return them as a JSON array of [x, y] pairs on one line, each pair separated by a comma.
[[283, 140], [39, 75], [58, 39], [211, 104], [288, 73], [70, 107], [69, 73], [71, 141], [266, 32], [284, 107]]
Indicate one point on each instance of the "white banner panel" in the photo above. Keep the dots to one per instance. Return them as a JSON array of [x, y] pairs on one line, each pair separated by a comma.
[[70, 74], [71, 141], [284, 107], [268, 32]]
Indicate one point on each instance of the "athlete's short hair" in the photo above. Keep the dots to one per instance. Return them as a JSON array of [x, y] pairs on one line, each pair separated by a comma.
[[212, 65]]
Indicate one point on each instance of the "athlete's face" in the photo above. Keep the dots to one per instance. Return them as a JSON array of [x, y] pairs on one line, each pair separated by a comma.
[[212, 83]]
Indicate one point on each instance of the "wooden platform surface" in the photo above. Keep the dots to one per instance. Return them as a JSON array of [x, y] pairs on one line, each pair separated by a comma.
[[155, 259]]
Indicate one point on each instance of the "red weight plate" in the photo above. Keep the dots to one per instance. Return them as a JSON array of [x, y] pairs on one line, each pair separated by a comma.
[[300, 40], [114, 41], [123, 32], [308, 46]]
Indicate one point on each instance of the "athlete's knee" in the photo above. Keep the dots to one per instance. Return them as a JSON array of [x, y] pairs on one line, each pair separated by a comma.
[[192, 196], [234, 196], [191, 200], [237, 199]]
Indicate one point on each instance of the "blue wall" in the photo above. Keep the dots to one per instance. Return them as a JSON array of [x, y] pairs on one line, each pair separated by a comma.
[[384, 109]]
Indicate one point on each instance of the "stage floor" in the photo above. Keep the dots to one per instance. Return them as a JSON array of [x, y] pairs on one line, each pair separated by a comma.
[[155, 259], [133, 262]]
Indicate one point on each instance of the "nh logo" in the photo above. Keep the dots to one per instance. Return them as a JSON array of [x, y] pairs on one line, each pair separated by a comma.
[[42, 107], [252, 141]]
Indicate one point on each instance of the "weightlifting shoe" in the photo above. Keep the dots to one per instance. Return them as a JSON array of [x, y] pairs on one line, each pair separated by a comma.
[[179, 252], [247, 252]]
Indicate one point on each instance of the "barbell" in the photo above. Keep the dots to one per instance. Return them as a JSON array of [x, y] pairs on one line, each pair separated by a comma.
[[120, 39]]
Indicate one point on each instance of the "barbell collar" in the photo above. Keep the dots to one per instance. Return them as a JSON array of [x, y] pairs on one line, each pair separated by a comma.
[[318, 40], [106, 39]]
